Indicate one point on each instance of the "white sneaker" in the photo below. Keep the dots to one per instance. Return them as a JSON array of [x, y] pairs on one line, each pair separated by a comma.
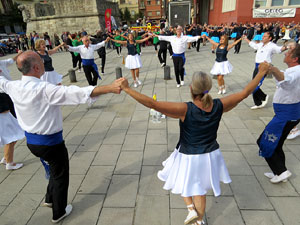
[[191, 217], [135, 85], [68, 211], [281, 178], [102, 74], [3, 161], [139, 82], [269, 175], [182, 83], [178, 85], [79, 71], [293, 134], [220, 91], [265, 102], [45, 204], [162, 65], [256, 107], [171, 56], [223, 90], [11, 166]]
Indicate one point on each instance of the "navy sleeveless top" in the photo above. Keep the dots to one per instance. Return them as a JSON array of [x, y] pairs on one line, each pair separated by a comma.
[[47, 62], [131, 48], [198, 132], [221, 54]]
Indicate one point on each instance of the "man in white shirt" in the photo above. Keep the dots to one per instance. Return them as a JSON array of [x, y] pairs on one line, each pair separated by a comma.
[[37, 105], [87, 55], [265, 50], [179, 44], [286, 103]]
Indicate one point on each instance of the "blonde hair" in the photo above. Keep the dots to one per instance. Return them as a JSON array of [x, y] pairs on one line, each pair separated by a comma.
[[38, 44], [201, 85]]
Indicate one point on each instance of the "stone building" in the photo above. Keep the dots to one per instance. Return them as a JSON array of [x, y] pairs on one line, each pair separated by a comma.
[[57, 16]]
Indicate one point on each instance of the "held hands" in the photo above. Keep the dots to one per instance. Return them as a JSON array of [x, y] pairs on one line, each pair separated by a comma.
[[116, 86], [264, 67], [107, 39]]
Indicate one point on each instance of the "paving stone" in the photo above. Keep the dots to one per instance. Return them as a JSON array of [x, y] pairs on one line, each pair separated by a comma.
[[222, 211], [294, 149], [155, 154], [120, 123], [37, 184], [172, 141], [75, 137], [138, 127], [116, 216], [96, 180], [249, 194], [157, 126], [86, 209], [107, 155], [129, 163], [41, 214], [156, 137], [140, 116], [287, 208], [226, 142], [80, 162], [114, 137], [242, 136], [91, 142], [149, 207], [250, 152], [31, 165], [260, 217], [236, 164], [134, 142], [122, 191], [233, 122], [173, 126]]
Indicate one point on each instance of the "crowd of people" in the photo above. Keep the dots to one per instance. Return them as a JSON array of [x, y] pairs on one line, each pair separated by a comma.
[[33, 103]]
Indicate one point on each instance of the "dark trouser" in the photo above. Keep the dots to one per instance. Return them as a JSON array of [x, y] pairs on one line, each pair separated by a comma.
[[77, 59], [9, 103], [164, 53], [276, 38], [178, 67], [237, 47], [259, 95], [277, 161], [57, 190], [119, 49], [170, 49], [155, 46], [103, 59], [73, 59], [198, 44], [88, 71]]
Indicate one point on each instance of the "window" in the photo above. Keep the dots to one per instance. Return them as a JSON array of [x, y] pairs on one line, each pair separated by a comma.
[[228, 5], [211, 6], [149, 13], [157, 2], [132, 12], [158, 13], [148, 2], [122, 1], [277, 2], [294, 2], [259, 3], [142, 4]]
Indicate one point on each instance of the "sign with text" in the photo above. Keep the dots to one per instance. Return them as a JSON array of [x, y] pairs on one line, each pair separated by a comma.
[[274, 12]]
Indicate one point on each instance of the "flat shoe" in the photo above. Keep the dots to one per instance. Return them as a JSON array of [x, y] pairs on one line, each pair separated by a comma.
[[10, 166]]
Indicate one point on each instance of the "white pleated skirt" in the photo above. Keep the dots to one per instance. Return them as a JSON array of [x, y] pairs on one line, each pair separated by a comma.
[[190, 175], [133, 62], [222, 68], [10, 129], [52, 77]]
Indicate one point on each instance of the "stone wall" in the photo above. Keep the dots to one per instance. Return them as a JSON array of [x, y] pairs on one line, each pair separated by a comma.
[[58, 16]]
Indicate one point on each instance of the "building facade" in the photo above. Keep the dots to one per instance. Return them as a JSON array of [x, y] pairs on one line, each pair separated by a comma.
[[132, 5], [242, 11], [153, 9]]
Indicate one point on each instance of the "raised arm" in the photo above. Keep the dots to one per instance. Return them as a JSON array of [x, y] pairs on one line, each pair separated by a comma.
[[143, 40], [211, 41], [16, 56], [120, 42], [229, 102], [276, 73], [171, 109], [233, 44], [54, 50]]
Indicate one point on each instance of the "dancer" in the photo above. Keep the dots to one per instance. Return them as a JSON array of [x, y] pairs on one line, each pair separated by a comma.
[[163, 47], [265, 51], [179, 43], [76, 41], [286, 103], [10, 131], [50, 74], [101, 51], [215, 36], [155, 40], [118, 46], [37, 106], [133, 60], [222, 66], [197, 164], [87, 54]]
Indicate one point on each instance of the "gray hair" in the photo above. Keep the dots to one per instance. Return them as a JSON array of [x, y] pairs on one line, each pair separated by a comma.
[[26, 65]]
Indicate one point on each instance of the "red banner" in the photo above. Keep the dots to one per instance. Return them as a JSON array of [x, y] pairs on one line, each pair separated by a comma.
[[108, 19]]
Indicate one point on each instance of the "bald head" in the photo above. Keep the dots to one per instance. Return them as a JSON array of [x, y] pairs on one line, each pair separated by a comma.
[[86, 41], [30, 64]]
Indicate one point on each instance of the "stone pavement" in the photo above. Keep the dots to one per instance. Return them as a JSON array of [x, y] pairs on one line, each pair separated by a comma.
[[115, 152]]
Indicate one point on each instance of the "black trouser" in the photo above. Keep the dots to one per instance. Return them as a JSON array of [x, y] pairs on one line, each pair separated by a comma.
[[119, 49], [178, 67], [198, 44], [77, 59], [259, 95], [57, 190], [162, 52], [103, 59], [155, 46], [88, 71], [276, 38], [237, 47], [170, 49], [277, 161]]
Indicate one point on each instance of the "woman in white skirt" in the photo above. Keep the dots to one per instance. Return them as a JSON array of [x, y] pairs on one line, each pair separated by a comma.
[[197, 164], [50, 74], [133, 60], [222, 66]]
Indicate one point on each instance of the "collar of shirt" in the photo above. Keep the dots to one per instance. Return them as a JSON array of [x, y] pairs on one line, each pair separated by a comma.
[[30, 78]]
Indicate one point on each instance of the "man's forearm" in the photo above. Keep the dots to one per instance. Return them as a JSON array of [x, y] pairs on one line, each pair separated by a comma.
[[277, 73], [100, 90]]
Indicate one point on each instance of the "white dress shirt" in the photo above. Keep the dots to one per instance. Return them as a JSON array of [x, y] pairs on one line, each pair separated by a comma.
[[178, 44], [37, 103], [265, 52], [288, 90], [3, 68], [87, 53]]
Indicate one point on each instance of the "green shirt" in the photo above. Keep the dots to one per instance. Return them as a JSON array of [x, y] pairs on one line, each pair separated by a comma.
[[155, 39], [117, 38], [138, 46], [76, 43]]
